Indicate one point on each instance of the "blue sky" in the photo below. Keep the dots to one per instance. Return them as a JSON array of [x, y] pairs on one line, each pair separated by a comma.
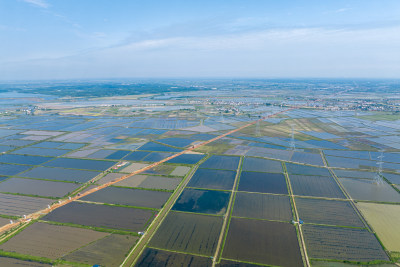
[[63, 39]]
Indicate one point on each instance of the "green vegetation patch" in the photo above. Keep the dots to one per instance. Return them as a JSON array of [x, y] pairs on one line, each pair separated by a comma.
[[385, 220]]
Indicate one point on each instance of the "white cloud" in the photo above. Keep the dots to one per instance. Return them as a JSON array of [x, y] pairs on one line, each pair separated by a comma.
[[296, 52], [39, 3]]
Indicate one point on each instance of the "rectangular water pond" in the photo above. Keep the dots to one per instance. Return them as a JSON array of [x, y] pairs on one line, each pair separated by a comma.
[[187, 159], [202, 201], [14, 205], [11, 169], [61, 174], [174, 141], [157, 257], [213, 179], [23, 159], [306, 170], [192, 233], [129, 197], [58, 240], [221, 162], [330, 212], [261, 165], [151, 146], [265, 242], [108, 251], [262, 206], [339, 243], [104, 216], [263, 182], [37, 187], [316, 186], [51, 152], [362, 189], [84, 164]]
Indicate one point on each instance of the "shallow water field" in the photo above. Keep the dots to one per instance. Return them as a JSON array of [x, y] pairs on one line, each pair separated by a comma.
[[159, 182], [362, 189], [180, 171], [129, 197], [384, 219], [202, 201], [393, 178], [213, 179], [325, 242], [306, 170], [23, 159], [137, 155], [11, 169], [221, 162], [264, 242], [263, 182], [184, 232], [355, 174], [16, 262], [51, 152], [108, 251], [261, 165], [37, 187], [61, 174], [187, 159], [156, 156], [151, 146], [307, 158], [58, 240], [262, 206], [178, 142], [14, 205], [330, 212], [103, 216], [84, 164], [157, 257], [316, 186]]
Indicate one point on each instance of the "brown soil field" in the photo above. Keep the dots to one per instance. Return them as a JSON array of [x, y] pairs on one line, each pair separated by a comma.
[[50, 241], [133, 181], [9, 262], [20, 205], [109, 251]]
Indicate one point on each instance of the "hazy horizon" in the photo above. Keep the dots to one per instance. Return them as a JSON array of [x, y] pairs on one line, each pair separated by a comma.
[[69, 39]]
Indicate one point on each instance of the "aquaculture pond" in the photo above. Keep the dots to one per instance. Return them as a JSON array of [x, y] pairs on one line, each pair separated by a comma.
[[101, 216], [263, 182], [264, 242], [129, 197], [202, 201], [192, 233], [221, 162], [213, 179], [84, 164], [80, 176], [261, 165]]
